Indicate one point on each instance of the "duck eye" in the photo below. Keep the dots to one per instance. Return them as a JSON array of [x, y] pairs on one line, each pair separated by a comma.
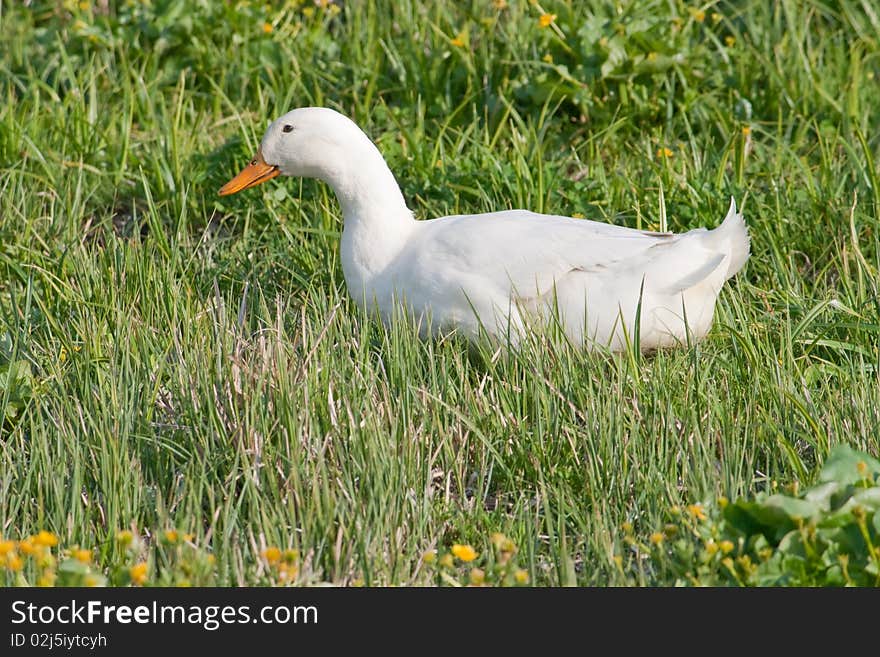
[[254, 162], [287, 128]]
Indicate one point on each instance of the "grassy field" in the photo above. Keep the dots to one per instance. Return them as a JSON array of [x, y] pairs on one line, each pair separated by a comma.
[[174, 361]]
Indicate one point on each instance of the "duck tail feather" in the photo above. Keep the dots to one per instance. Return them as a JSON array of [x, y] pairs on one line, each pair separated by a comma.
[[734, 235]]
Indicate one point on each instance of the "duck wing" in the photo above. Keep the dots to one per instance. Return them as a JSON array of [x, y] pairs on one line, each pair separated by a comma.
[[528, 253]]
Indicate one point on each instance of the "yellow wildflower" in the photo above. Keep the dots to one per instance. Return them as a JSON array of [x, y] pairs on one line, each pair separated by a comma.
[[664, 152], [696, 510], [502, 543], [627, 527], [308, 12], [138, 573], [698, 14], [6, 547], [430, 556], [716, 17], [500, 5], [548, 58], [711, 547], [657, 538], [726, 547], [14, 562], [83, 556], [46, 539], [546, 20], [124, 538], [171, 536], [85, 6], [90, 580], [47, 579], [578, 215], [29, 546], [464, 552], [334, 9], [460, 40], [477, 576], [290, 556], [446, 561], [287, 572], [521, 576], [272, 555], [862, 467], [267, 28], [730, 41]]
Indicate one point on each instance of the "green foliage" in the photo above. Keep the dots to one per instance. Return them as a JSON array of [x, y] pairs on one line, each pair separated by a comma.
[[16, 382], [167, 559], [464, 566], [16, 388], [825, 535], [72, 572], [613, 58]]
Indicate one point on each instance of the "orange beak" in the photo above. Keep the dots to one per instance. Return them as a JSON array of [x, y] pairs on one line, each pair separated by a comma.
[[253, 174]]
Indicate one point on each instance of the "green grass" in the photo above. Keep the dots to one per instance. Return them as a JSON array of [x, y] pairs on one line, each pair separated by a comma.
[[194, 362]]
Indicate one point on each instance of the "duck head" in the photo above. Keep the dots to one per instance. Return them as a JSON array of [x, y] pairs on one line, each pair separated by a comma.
[[311, 142]]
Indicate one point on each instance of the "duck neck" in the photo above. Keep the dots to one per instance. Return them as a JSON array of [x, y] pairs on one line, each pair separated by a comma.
[[377, 221]]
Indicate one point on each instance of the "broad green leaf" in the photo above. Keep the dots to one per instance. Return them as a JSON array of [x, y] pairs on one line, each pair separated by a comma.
[[792, 544], [71, 573], [851, 542], [792, 508], [821, 494], [868, 498], [847, 466]]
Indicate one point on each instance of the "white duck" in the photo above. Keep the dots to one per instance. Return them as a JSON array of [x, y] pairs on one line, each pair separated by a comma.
[[502, 271]]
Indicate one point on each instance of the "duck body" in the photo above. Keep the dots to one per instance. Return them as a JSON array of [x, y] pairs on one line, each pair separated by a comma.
[[501, 273]]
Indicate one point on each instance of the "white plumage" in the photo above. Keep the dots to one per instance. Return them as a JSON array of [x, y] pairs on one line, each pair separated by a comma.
[[504, 272]]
